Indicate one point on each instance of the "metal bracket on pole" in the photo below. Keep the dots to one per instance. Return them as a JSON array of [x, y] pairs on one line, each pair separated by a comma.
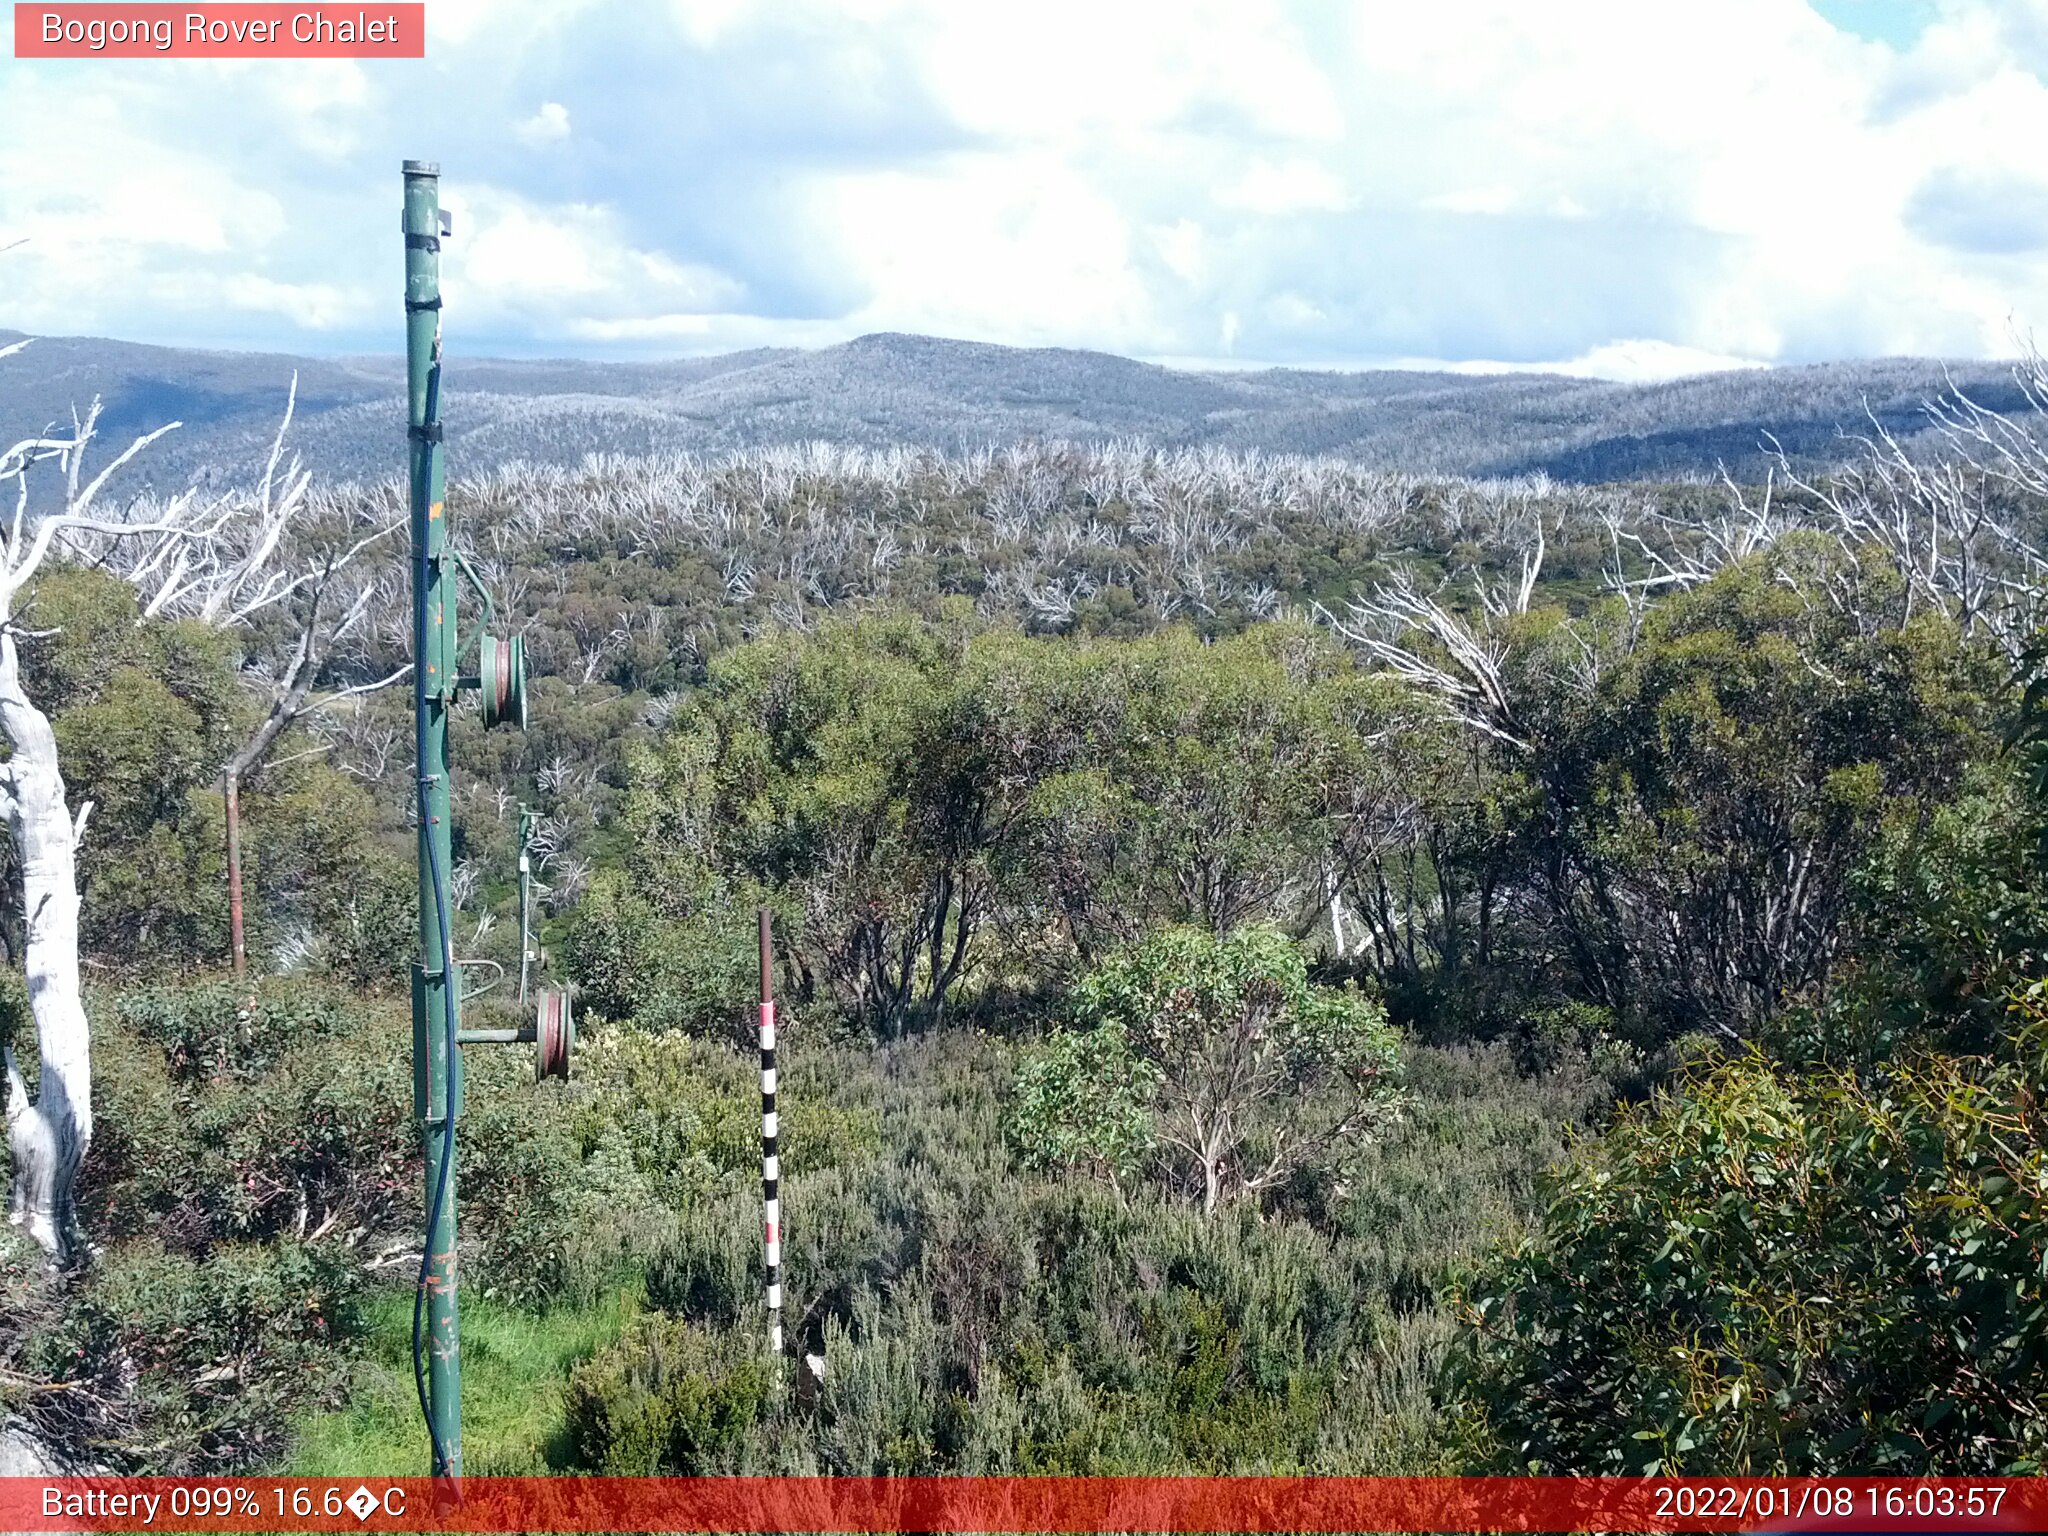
[[476, 583]]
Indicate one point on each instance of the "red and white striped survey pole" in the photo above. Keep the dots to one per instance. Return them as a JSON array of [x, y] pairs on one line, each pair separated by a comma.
[[771, 1166]]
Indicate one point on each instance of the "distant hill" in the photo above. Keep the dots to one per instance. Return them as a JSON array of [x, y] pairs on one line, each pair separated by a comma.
[[890, 389]]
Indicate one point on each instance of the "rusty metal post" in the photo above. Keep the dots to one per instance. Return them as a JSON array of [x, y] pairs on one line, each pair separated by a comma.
[[231, 804]]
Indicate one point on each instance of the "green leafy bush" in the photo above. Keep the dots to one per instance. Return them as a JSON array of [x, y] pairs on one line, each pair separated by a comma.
[[1255, 1074], [1773, 1272], [237, 1110], [1744, 730], [570, 1187], [1083, 1100], [942, 810], [1950, 914], [668, 1398], [979, 1319], [710, 1270], [233, 1026], [691, 970], [323, 888], [202, 1362]]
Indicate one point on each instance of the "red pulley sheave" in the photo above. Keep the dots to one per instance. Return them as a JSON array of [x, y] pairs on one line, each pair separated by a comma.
[[554, 1035], [501, 681]]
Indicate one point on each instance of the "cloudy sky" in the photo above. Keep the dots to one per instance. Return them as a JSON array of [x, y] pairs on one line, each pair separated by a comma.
[[1618, 187]]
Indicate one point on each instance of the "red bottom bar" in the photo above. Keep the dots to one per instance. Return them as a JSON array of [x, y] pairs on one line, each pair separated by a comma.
[[1052, 1504]]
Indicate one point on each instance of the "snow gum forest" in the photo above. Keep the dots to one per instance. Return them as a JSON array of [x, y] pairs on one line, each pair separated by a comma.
[[1288, 964]]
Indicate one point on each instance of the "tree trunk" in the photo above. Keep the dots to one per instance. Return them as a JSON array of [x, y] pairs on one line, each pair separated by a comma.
[[47, 1138], [231, 792]]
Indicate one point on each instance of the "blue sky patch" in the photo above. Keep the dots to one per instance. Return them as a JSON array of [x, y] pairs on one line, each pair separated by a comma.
[[1898, 23]]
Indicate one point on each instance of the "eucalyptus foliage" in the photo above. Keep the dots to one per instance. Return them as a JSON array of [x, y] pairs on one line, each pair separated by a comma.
[[1768, 1273], [1220, 1052]]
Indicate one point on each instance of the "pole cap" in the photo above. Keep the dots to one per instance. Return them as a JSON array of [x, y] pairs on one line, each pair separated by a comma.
[[422, 167]]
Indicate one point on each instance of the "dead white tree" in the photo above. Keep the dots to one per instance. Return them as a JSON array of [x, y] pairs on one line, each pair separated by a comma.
[[1414, 636], [1684, 552], [1497, 599], [1949, 521], [47, 1136], [1946, 514]]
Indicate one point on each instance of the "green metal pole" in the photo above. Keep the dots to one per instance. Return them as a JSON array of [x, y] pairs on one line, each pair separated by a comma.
[[437, 1063]]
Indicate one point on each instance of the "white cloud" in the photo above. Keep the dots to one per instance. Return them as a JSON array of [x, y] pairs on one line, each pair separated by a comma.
[[1639, 361], [1635, 361], [1494, 199], [688, 329], [512, 257], [1026, 250], [547, 125], [316, 306], [456, 21], [1182, 249], [1067, 70], [704, 22], [1601, 186], [1285, 187]]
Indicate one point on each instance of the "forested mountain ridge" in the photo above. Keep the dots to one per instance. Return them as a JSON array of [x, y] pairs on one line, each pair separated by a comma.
[[892, 390]]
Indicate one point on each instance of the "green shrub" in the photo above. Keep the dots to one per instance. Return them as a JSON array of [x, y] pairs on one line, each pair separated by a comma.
[[1773, 1272], [1462, 1172], [1949, 915], [369, 925], [237, 1111], [1585, 1037], [31, 1300], [689, 1110], [981, 1319], [203, 1362], [668, 1398], [1083, 1101], [1255, 1074], [884, 1402], [694, 973], [233, 1026], [710, 1270], [568, 1187], [555, 1204]]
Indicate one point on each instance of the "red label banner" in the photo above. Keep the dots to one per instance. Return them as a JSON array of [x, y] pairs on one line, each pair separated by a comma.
[[240, 31], [1062, 1504]]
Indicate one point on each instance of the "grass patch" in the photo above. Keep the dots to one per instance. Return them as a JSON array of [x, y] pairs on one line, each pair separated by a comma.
[[515, 1364]]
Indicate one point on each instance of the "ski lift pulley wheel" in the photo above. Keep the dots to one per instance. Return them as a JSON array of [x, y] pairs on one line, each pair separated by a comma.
[[554, 1035], [501, 681]]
